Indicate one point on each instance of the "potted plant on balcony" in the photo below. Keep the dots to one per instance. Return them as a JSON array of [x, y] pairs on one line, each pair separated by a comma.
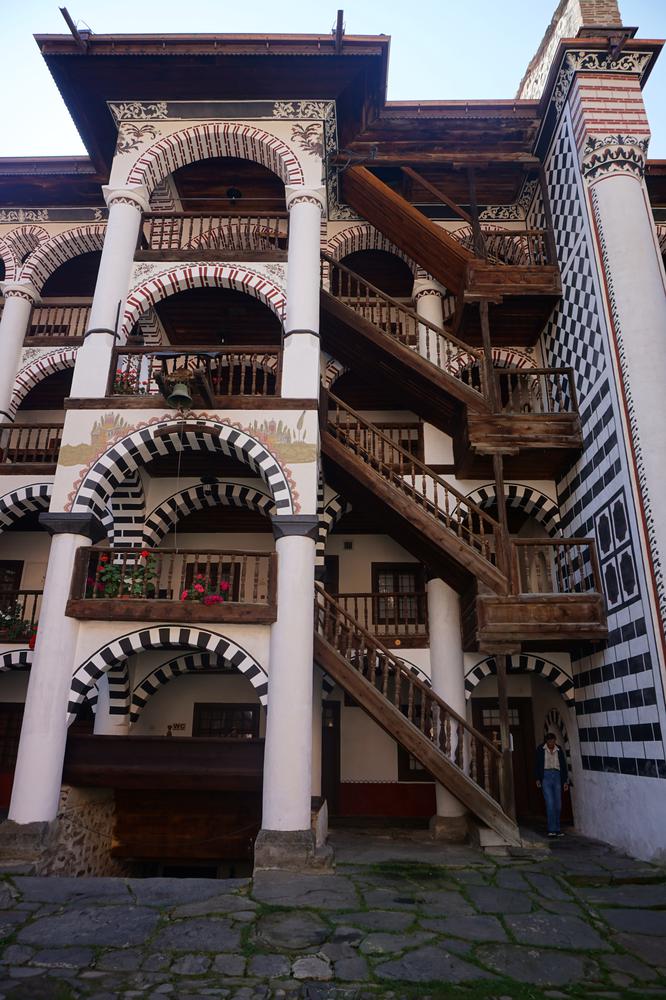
[[203, 591], [127, 383], [117, 579], [13, 627]]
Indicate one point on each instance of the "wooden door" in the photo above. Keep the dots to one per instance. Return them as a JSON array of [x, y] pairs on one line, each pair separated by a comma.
[[330, 755], [11, 717], [485, 715]]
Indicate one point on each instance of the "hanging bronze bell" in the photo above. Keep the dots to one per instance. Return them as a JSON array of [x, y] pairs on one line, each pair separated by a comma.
[[179, 397]]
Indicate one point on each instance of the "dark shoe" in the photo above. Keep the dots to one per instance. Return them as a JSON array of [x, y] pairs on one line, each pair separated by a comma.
[[552, 835], [558, 834]]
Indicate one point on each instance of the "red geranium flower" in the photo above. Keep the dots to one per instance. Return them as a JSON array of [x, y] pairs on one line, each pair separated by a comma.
[[224, 586], [144, 553]]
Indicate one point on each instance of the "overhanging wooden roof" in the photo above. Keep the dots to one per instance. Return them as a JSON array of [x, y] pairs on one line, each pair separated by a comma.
[[211, 67]]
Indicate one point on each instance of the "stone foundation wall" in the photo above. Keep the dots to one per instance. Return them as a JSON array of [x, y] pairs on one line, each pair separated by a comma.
[[82, 840]]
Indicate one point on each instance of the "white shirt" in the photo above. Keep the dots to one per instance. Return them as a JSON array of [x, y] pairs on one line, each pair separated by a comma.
[[551, 759]]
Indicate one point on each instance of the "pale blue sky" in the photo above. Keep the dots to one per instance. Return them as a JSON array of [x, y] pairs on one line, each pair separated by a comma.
[[448, 49]]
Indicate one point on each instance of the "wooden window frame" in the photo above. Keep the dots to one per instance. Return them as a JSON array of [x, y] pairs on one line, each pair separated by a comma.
[[200, 707], [396, 568]]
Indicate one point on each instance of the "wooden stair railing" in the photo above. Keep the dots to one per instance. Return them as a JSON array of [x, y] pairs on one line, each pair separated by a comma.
[[402, 324], [456, 754], [444, 506]]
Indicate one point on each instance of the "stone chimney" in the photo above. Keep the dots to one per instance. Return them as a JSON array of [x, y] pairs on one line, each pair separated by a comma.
[[570, 17]]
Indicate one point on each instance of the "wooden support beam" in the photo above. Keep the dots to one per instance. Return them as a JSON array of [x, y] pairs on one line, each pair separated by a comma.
[[507, 797], [436, 192], [479, 245], [457, 160]]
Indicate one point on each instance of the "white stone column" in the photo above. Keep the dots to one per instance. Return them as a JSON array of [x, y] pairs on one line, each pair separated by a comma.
[[41, 750], [447, 669], [427, 295], [635, 283], [300, 356], [105, 723], [20, 297], [94, 356], [285, 840]]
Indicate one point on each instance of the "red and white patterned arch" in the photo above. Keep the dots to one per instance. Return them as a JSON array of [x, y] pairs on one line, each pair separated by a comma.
[[59, 249], [7, 258], [37, 371], [180, 279], [209, 139], [24, 240], [503, 357], [365, 237]]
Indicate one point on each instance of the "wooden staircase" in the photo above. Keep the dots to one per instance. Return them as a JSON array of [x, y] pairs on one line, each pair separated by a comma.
[[431, 518], [363, 327], [523, 287], [456, 754]]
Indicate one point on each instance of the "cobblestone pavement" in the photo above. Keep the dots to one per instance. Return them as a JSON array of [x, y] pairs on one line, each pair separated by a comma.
[[401, 917]]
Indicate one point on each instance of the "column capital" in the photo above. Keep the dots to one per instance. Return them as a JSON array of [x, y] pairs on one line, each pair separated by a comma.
[[301, 195], [305, 525], [425, 285], [136, 195], [63, 523], [20, 290], [603, 156]]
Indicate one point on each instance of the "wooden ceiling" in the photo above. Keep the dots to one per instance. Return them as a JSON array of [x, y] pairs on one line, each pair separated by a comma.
[[76, 277], [216, 316], [384, 270], [51, 181], [204, 186], [49, 394]]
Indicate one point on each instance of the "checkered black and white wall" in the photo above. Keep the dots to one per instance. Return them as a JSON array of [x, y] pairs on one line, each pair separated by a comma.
[[619, 697]]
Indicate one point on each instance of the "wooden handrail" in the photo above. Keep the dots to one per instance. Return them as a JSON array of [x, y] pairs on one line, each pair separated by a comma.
[[437, 728], [421, 320], [215, 215], [573, 567], [414, 465], [214, 371], [30, 443], [548, 389], [166, 574]]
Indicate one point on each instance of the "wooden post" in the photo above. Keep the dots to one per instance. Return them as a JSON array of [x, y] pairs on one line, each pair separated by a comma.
[[548, 216], [479, 245], [503, 552], [492, 394], [507, 798]]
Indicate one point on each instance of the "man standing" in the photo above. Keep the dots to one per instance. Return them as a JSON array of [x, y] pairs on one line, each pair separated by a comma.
[[552, 778]]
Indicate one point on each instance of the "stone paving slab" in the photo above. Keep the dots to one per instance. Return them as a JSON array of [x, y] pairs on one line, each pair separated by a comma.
[[386, 926]]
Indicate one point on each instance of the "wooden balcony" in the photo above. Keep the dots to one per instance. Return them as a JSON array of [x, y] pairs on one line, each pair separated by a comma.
[[556, 601], [206, 236], [58, 322], [29, 448], [161, 762], [397, 619], [221, 378], [158, 585], [537, 428], [19, 615]]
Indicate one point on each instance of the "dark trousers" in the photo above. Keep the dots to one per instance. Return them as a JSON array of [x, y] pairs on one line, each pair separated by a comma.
[[552, 793]]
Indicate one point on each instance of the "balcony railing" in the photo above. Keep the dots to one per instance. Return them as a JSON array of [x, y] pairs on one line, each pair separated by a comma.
[[205, 235], [519, 248], [556, 566], [185, 585], [19, 614], [29, 445], [232, 371], [396, 618], [58, 321], [536, 390]]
